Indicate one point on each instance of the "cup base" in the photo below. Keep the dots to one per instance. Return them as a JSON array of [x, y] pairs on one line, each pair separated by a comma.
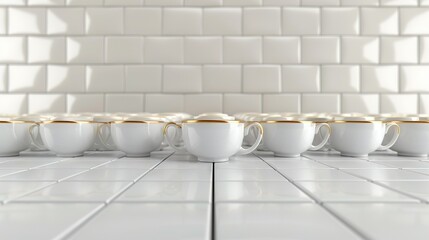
[[211, 160], [138, 155], [412, 154], [287, 155], [9, 154], [70, 155], [353, 155]]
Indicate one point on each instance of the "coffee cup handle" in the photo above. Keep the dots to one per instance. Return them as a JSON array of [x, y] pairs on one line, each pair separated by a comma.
[[169, 140], [105, 141], [394, 138], [325, 138], [34, 138], [244, 151]]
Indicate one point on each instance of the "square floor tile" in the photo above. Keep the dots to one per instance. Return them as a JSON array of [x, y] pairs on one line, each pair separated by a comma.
[[10, 190], [387, 221], [353, 164], [318, 175], [146, 191], [268, 191], [294, 164], [178, 175], [132, 164], [355, 191], [190, 221], [184, 164], [405, 164], [388, 174], [242, 164], [42, 175], [41, 220], [378, 157], [248, 175], [76, 192], [70, 163], [422, 171], [26, 164], [4, 172], [326, 156], [277, 221], [106, 174], [416, 188]]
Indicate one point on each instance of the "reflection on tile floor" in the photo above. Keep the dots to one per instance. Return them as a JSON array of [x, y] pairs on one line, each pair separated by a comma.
[[104, 195]]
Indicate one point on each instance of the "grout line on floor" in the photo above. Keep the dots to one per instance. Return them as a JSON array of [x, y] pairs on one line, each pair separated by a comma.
[[72, 230], [318, 202]]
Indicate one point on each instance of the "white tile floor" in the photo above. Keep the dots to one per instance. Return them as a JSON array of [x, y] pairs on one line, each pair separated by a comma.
[[104, 195]]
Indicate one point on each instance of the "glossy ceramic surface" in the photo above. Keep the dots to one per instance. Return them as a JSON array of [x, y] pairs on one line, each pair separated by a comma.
[[14, 138], [413, 140]]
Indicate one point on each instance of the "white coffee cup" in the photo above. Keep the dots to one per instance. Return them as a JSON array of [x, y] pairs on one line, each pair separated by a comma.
[[36, 142], [108, 144], [290, 136], [135, 136], [414, 138], [213, 140], [14, 136], [359, 136], [67, 136]]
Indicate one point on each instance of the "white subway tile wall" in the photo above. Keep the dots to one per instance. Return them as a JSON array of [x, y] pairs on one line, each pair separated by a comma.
[[230, 56]]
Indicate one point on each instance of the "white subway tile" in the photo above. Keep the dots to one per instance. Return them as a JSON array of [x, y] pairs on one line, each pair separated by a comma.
[[340, 21], [203, 103], [182, 21], [124, 103], [143, 78], [27, 20], [234, 103], [379, 78], [329, 103], [46, 49], [105, 78], [320, 2], [301, 78], [27, 78], [163, 50], [399, 49], [281, 50], [203, 3], [66, 21], [123, 2], [3, 20], [359, 2], [281, 103], [163, 2], [62, 78], [414, 21], [182, 79], [360, 49], [399, 103], [46, 103], [424, 2], [340, 78], [164, 103], [12, 49], [13, 104], [12, 2], [222, 78], [3, 78], [46, 2], [242, 2], [281, 2], [424, 49], [262, 21], [78, 103], [85, 2], [361, 103], [124, 49], [414, 78], [85, 50], [99, 20], [320, 49], [146, 21], [222, 21], [399, 2], [242, 50], [424, 103], [261, 78], [301, 21], [203, 50], [382, 21]]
